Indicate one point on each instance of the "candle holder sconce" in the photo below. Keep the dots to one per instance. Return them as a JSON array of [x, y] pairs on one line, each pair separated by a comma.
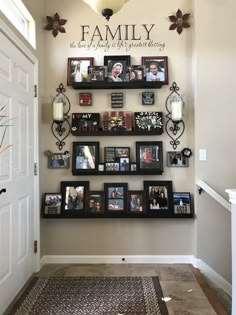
[[175, 125], [60, 126]]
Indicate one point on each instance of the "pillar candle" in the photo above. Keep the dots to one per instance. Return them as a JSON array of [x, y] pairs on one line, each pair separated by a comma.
[[58, 112], [176, 110]]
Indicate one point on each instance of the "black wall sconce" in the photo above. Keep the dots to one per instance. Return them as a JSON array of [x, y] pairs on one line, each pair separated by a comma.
[[60, 126], [174, 125]]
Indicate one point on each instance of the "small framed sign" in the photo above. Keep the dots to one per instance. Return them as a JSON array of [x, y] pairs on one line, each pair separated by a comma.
[[85, 99], [182, 203], [148, 98], [117, 100]]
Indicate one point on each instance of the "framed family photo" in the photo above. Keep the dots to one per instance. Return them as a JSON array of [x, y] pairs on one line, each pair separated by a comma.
[[156, 68], [58, 160], [96, 202], [74, 197], [176, 159], [159, 198], [117, 67], [52, 204], [136, 201], [85, 158], [115, 197], [182, 203], [77, 69], [149, 156]]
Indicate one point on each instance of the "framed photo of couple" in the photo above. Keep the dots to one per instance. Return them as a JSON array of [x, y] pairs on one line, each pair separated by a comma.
[[149, 156]]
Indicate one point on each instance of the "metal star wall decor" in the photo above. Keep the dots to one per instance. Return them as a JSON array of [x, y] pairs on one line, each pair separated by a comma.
[[179, 21], [55, 24]]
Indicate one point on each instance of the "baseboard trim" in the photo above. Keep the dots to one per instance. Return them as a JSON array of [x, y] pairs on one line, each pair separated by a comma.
[[217, 279], [125, 259]]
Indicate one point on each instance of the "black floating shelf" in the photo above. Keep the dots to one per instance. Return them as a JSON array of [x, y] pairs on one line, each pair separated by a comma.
[[103, 173], [156, 132], [118, 216], [100, 85]]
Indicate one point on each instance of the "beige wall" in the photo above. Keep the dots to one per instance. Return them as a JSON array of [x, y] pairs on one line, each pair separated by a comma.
[[111, 237], [215, 126]]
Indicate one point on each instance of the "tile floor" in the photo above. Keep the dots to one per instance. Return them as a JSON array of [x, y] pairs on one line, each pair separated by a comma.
[[178, 283]]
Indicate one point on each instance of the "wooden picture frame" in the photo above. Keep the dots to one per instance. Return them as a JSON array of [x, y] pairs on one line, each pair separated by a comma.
[[96, 204], [115, 198], [77, 69], [159, 198], [116, 67], [149, 156], [136, 202], [51, 205], [176, 159], [74, 198], [156, 68], [85, 158], [182, 203]]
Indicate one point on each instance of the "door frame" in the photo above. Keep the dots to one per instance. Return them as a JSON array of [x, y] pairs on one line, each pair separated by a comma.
[[19, 44]]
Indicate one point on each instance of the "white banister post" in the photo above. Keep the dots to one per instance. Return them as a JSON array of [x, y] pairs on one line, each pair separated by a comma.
[[232, 199]]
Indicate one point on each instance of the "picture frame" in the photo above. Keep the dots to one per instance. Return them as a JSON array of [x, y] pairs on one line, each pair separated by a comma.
[[115, 197], [74, 197], [85, 122], [136, 202], [116, 67], [156, 68], [136, 72], [96, 204], [182, 203], [96, 73], [113, 154], [148, 98], [148, 121], [117, 121], [149, 156], [176, 159], [77, 69], [85, 158], [159, 198], [51, 204], [58, 161]]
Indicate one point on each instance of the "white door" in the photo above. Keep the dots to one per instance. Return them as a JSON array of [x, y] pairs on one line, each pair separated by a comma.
[[16, 171]]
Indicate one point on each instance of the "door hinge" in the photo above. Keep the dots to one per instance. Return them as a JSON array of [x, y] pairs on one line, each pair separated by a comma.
[[35, 168], [35, 90], [35, 247]]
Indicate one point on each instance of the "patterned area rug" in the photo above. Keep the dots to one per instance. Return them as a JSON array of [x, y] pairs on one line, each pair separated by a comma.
[[92, 296]]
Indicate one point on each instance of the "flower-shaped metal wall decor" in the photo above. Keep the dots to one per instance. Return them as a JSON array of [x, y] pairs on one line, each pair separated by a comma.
[[179, 21], [55, 24]]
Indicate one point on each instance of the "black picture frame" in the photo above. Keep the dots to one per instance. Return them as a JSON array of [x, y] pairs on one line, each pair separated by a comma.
[[96, 73], [159, 198], [176, 159], [85, 158], [136, 202], [182, 204], [149, 156], [136, 72], [58, 161], [111, 62], [72, 65], [51, 205], [148, 121], [116, 198], [148, 98], [96, 205], [161, 64], [74, 198]]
